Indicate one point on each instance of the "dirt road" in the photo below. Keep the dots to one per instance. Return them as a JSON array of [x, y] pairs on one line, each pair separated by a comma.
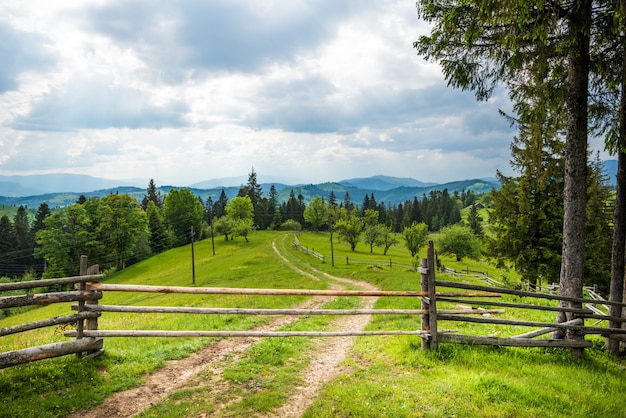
[[325, 363]]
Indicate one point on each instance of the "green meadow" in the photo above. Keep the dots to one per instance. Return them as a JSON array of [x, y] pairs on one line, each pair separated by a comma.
[[383, 376]]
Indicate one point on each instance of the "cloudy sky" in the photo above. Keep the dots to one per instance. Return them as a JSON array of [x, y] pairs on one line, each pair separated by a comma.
[[184, 91]]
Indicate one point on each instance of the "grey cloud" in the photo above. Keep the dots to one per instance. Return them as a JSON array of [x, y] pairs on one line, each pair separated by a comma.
[[20, 52], [315, 105], [97, 104], [218, 36]]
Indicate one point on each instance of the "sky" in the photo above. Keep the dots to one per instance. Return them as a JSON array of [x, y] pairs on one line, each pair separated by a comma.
[[184, 91]]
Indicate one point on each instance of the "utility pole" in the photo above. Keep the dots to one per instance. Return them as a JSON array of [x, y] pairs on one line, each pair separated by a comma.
[[193, 261], [332, 252], [211, 222]]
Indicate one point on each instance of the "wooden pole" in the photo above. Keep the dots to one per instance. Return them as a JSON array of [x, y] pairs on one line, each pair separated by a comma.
[[80, 324], [432, 299], [260, 311], [277, 292], [164, 333], [425, 318], [332, 251], [13, 358], [212, 234], [512, 342], [193, 262], [31, 284], [57, 320], [48, 298]]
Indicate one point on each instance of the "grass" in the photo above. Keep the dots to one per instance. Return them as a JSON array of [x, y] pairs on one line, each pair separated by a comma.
[[386, 376]]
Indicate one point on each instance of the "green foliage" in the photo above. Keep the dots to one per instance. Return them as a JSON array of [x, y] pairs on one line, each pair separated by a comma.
[[415, 237], [460, 241], [121, 222], [349, 227], [290, 225], [182, 211], [316, 212], [158, 236]]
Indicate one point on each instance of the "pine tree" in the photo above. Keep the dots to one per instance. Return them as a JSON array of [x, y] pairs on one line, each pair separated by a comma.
[[332, 199], [474, 221], [158, 234], [152, 195], [219, 208], [43, 212], [8, 246], [25, 243], [255, 192]]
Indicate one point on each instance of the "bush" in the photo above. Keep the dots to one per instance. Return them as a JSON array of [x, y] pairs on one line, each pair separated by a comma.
[[290, 225]]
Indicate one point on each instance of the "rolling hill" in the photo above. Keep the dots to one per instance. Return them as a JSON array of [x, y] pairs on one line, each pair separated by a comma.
[[381, 190]]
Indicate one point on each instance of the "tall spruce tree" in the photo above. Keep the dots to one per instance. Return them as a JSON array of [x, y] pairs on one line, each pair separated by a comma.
[[8, 245], [254, 191], [43, 212], [152, 195], [482, 44], [25, 243]]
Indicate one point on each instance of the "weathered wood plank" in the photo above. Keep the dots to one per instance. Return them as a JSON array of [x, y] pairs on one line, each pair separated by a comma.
[[164, 333], [26, 355], [246, 311], [511, 342], [283, 292], [31, 284], [48, 298], [458, 285], [547, 330], [57, 320], [581, 311]]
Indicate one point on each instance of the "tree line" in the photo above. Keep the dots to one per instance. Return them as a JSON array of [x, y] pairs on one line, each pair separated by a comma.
[[117, 230]]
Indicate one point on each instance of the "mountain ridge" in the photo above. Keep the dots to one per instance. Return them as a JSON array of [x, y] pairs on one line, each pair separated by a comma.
[[30, 190], [356, 194]]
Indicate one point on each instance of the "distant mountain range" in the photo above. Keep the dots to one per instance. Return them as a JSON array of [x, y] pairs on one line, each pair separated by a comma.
[[59, 190], [385, 189]]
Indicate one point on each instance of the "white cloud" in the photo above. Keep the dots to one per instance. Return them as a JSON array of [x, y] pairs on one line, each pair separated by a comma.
[[184, 91]]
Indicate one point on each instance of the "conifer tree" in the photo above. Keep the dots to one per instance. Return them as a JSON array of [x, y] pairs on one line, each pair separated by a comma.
[[152, 195]]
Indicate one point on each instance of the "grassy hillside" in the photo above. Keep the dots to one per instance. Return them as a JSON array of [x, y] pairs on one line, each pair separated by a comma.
[[385, 376]]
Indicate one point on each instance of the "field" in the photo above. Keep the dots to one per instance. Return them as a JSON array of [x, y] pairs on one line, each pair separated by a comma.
[[380, 376]]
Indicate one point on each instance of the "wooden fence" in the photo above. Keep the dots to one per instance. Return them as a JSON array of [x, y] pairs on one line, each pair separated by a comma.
[[89, 338], [572, 307], [81, 320]]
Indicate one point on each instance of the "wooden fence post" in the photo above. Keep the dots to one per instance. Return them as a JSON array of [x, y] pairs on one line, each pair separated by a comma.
[[432, 306], [425, 317], [80, 324], [92, 323]]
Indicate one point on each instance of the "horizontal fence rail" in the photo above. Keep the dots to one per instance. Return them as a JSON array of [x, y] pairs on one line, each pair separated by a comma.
[[275, 292], [84, 297], [246, 311]]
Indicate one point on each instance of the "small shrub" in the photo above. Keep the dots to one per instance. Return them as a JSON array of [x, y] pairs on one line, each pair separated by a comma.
[[290, 225]]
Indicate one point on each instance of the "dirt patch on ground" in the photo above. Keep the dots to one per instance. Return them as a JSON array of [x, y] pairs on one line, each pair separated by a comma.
[[177, 374]]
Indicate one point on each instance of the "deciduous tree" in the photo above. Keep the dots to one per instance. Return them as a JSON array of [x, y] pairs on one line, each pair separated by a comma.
[[460, 241], [182, 211], [415, 237], [316, 212]]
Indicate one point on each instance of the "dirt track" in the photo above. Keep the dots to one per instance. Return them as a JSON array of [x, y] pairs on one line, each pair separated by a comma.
[[325, 363]]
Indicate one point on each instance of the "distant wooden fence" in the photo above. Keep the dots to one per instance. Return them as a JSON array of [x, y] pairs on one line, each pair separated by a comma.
[[83, 296]]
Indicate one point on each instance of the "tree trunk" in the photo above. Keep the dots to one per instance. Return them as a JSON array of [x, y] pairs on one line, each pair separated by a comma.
[[619, 240], [618, 251], [575, 192]]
